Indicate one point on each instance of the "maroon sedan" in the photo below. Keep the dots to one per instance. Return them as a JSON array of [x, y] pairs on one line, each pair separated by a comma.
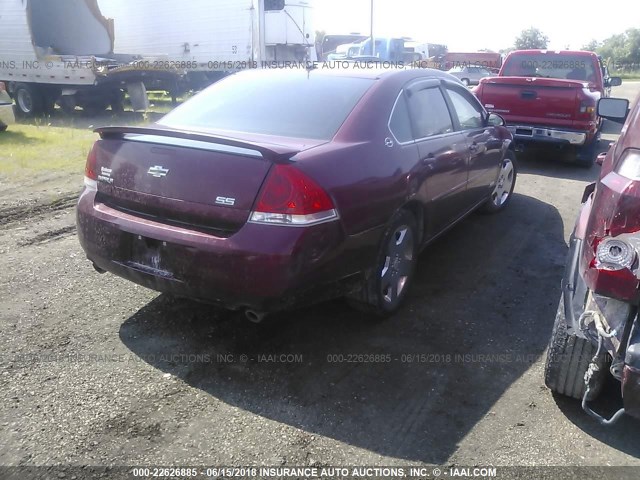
[[272, 189], [597, 331]]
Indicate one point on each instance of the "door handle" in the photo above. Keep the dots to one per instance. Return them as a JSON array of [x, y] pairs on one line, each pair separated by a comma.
[[428, 161]]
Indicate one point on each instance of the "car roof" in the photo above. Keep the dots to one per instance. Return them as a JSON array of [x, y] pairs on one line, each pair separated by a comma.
[[359, 70]]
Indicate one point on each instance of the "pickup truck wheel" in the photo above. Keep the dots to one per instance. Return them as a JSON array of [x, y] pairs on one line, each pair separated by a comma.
[[383, 292], [28, 100], [503, 191], [568, 359], [585, 156], [3, 128]]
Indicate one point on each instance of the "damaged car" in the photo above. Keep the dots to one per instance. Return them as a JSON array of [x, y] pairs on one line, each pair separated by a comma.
[[276, 188], [597, 331]]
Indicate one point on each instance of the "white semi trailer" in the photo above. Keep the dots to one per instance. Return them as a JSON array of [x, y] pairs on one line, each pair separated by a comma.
[[207, 38], [62, 51]]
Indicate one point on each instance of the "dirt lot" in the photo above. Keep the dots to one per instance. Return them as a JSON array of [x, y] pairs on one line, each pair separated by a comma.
[[95, 370]]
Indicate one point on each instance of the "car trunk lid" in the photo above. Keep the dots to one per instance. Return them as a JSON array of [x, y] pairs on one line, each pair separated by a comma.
[[196, 180]]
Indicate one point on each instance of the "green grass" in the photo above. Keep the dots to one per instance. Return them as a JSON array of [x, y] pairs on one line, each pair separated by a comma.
[[31, 150], [635, 75]]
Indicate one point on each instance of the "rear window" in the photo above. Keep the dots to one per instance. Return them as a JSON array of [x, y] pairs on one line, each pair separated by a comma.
[[282, 103], [550, 65]]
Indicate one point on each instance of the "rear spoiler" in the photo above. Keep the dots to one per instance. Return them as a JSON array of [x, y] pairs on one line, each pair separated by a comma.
[[276, 153]]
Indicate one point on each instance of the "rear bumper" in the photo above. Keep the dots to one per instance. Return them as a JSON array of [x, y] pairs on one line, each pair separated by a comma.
[[537, 134], [262, 267], [620, 316]]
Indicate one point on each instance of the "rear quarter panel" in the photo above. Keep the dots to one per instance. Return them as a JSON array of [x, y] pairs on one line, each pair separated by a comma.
[[367, 180]]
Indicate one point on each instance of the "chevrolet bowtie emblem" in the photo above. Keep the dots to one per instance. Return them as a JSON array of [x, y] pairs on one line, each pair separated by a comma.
[[158, 171]]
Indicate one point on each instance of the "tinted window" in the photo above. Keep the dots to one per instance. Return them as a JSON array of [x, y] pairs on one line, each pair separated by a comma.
[[400, 124], [550, 65], [284, 103], [273, 5], [429, 113], [469, 115]]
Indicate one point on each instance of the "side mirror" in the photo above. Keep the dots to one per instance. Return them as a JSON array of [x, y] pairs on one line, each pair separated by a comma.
[[600, 158], [614, 82], [613, 108], [495, 120]]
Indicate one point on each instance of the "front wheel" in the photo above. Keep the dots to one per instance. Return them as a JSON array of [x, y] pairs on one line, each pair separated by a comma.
[[503, 190], [465, 82], [383, 292]]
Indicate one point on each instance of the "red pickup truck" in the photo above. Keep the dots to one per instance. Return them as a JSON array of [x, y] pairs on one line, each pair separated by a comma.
[[549, 98]]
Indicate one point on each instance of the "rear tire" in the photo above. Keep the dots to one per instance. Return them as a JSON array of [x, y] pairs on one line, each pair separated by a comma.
[[383, 292], [29, 100], [568, 359], [67, 104], [3, 128], [465, 82], [95, 108], [585, 156]]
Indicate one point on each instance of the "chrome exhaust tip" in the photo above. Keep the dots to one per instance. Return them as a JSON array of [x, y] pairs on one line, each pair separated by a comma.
[[255, 317]]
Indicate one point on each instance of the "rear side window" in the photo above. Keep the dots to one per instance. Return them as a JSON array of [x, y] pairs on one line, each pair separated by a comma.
[[283, 103], [469, 115], [400, 124], [429, 113]]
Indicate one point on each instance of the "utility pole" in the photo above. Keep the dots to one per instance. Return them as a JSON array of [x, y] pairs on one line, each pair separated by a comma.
[[373, 42]]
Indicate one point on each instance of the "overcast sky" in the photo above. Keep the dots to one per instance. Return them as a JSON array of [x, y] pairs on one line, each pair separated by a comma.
[[466, 25]]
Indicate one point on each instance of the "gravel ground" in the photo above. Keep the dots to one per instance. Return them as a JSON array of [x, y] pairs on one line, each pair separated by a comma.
[[97, 371]]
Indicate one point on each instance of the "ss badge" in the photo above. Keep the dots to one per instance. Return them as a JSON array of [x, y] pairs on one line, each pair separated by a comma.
[[229, 202]]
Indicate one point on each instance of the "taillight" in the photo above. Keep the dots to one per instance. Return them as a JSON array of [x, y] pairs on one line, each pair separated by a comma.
[[3, 88], [629, 164], [587, 106], [613, 270], [90, 169], [289, 197], [615, 254]]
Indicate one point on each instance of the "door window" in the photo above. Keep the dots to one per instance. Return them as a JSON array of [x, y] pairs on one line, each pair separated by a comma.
[[469, 115], [429, 113]]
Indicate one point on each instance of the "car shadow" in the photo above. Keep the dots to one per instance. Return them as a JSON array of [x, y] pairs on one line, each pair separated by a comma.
[[14, 137], [549, 162], [411, 387], [558, 163], [623, 435]]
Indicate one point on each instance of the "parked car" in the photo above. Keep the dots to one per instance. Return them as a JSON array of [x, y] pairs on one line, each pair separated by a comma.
[[597, 329], [273, 188], [470, 75], [548, 98], [6, 108]]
